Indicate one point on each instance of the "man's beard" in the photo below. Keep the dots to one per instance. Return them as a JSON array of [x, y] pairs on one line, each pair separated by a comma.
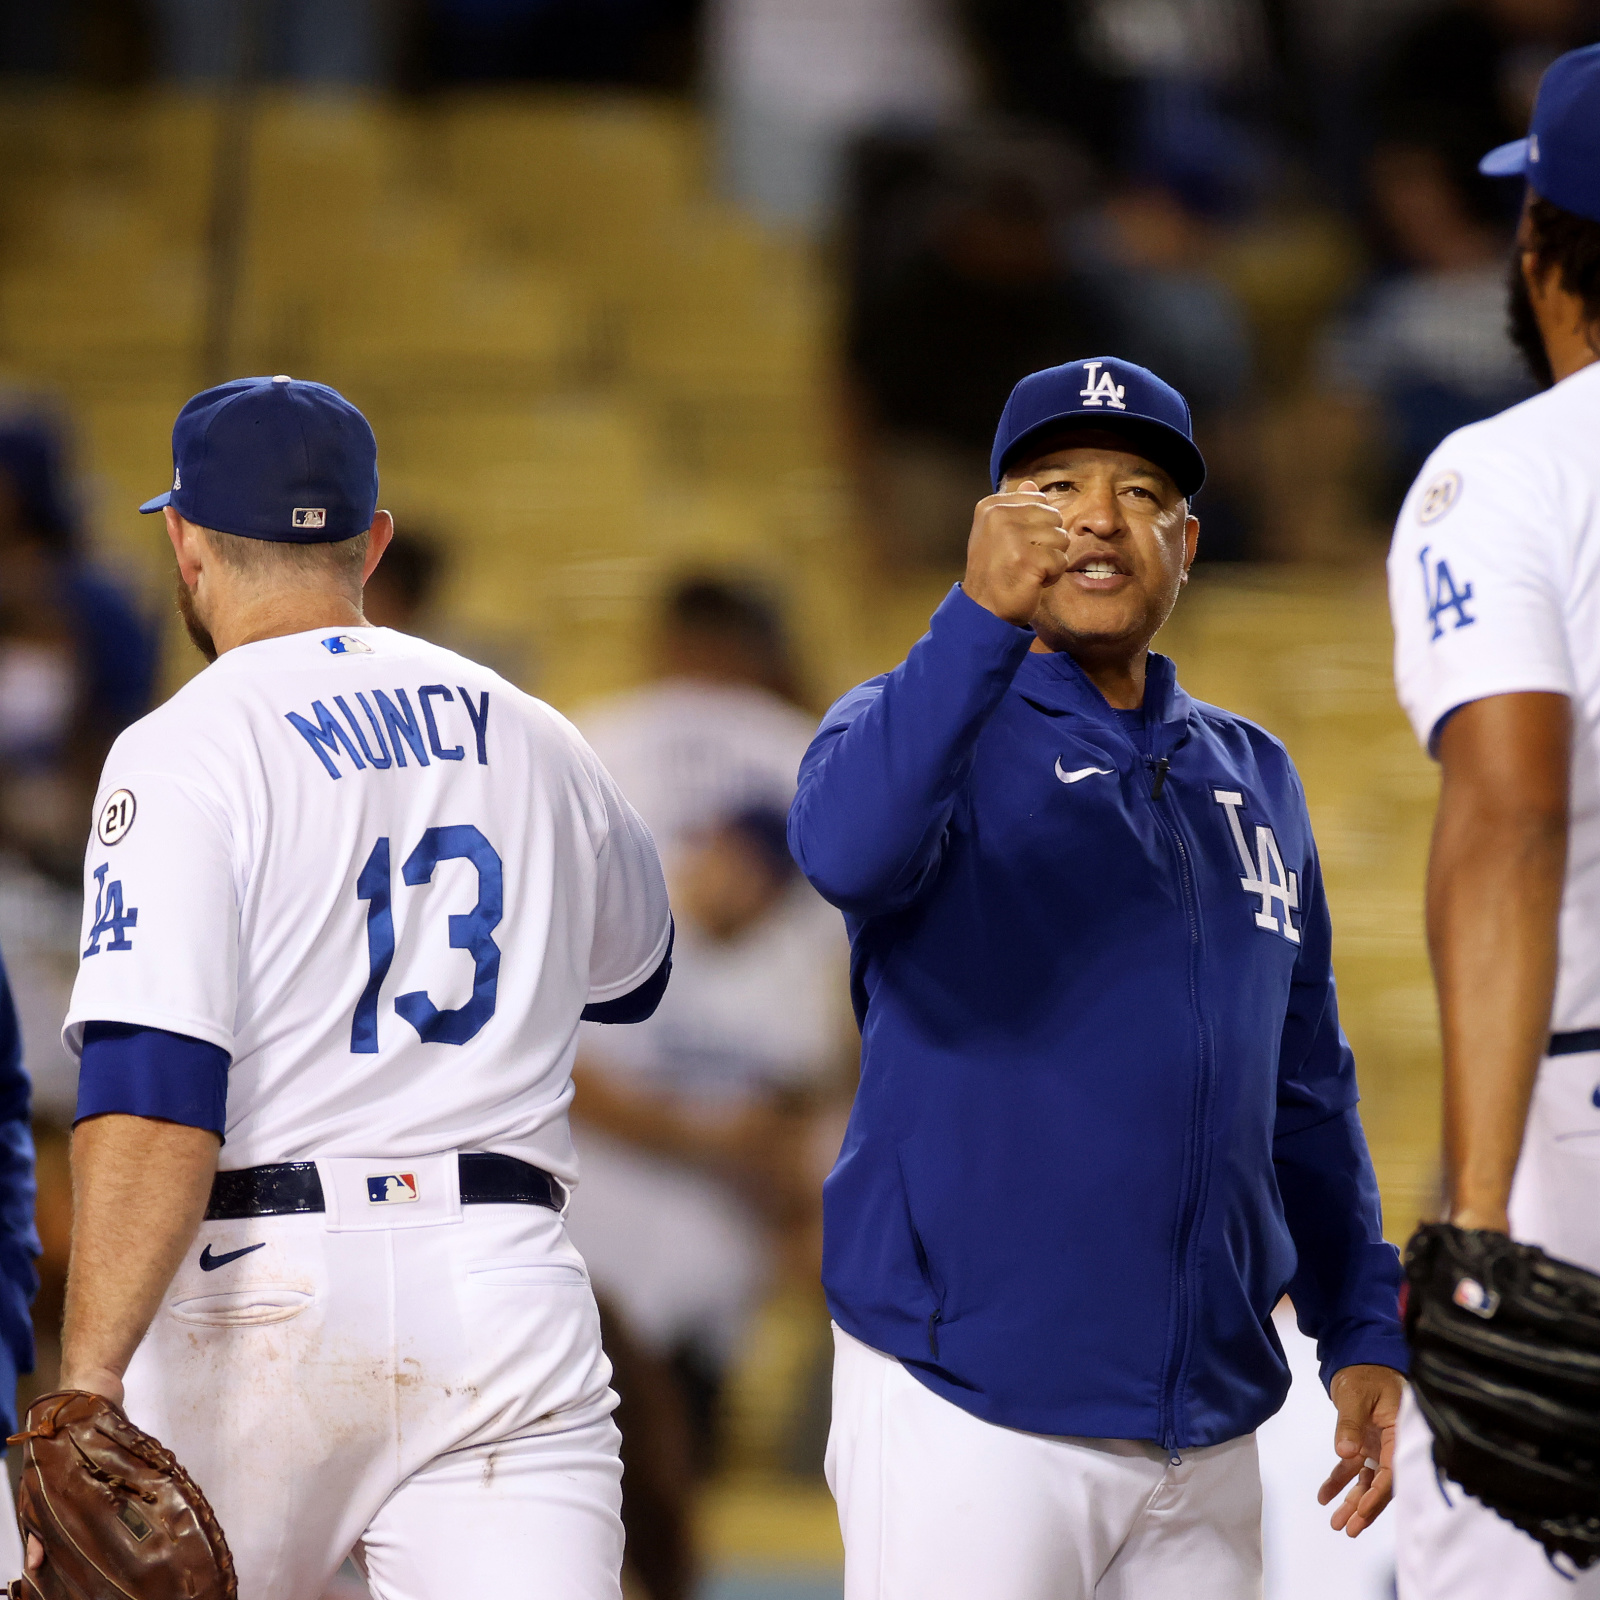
[[1523, 325], [199, 633]]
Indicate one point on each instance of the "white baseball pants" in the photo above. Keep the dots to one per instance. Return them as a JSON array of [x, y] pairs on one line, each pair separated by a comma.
[[1457, 1549], [420, 1383], [935, 1504]]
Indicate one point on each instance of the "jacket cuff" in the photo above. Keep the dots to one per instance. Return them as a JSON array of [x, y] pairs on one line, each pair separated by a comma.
[[960, 620], [1364, 1346]]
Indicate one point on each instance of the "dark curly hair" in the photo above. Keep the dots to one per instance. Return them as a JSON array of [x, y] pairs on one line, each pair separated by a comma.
[[1564, 243]]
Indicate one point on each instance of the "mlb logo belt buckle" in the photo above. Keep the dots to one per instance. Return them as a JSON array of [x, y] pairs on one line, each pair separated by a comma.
[[391, 1188]]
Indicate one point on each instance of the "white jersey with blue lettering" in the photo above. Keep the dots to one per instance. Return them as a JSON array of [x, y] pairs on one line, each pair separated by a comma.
[[385, 881], [1494, 586], [1494, 583]]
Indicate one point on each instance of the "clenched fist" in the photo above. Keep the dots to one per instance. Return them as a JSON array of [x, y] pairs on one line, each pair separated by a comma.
[[1017, 550]]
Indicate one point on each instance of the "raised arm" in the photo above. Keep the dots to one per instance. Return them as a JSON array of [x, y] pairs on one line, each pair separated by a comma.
[[878, 785], [1495, 875]]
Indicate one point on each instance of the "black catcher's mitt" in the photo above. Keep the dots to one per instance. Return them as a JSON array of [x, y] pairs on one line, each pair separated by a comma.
[[1505, 1363]]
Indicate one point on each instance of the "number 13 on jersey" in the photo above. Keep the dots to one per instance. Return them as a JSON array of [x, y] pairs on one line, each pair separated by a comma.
[[473, 932]]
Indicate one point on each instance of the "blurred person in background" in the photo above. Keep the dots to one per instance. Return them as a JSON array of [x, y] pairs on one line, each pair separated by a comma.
[[640, 43], [792, 81], [1424, 352], [1133, 79], [718, 730], [309, 41], [1474, 66], [402, 593], [77, 657], [1150, 244], [676, 1132], [701, 1168], [19, 1245], [960, 282]]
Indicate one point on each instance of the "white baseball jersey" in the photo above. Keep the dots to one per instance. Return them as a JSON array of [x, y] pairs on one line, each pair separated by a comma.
[[380, 877], [1494, 585]]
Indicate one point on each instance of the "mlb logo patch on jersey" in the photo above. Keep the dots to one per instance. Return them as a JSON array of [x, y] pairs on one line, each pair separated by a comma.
[[346, 644], [309, 517], [391, 1188]]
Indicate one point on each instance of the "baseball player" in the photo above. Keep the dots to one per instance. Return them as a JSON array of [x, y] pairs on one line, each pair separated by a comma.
[[1107, 1117], [1494, 584], [348, 896]]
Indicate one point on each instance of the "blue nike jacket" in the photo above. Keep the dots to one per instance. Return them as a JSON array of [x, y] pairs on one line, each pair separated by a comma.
[[1107, 1115]]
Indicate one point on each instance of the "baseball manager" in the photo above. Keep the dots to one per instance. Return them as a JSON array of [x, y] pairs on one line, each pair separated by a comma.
[[1106, 1116]]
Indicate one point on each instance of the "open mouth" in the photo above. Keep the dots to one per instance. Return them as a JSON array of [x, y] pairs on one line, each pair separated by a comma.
[[1097, 573]]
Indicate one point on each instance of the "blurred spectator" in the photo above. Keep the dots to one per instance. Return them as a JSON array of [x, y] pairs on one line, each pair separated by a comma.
[[1426, 350], [697, 1132], [401, 593], [627, 42], [101, 42], [717, 732], [960, 285], [1472, 67], [77, 657], [1150, 252], [1147, 85], [308, 41], [792, 81]]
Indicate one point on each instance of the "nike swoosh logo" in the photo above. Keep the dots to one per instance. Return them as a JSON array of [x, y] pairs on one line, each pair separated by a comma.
[[1081, 773], [210, 1263]]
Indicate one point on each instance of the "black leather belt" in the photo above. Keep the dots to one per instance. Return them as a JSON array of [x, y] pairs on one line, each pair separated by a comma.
[[293, 1186], [1574, 1044]]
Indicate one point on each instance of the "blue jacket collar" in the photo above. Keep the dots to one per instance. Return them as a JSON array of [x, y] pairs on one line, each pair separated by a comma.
[[1057, 681]]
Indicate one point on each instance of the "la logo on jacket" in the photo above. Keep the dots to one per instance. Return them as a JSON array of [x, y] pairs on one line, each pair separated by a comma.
[[1264, 873]]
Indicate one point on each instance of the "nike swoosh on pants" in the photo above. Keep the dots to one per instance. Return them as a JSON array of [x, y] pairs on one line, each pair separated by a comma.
[[210, 1263]]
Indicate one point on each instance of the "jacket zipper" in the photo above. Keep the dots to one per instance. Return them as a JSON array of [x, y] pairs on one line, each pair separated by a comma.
[[1177, 1356]]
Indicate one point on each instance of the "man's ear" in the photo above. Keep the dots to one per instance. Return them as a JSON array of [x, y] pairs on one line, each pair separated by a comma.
[[188, 545], [378, 537], [1191, 542]]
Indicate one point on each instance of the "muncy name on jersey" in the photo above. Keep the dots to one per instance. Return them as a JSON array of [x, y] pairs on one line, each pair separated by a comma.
[[389, 725]]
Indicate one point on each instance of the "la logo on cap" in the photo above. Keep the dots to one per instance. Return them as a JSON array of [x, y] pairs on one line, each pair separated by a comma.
[[1101, 388]]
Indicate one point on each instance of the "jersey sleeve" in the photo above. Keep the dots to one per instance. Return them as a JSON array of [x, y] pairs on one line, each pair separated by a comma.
[[632, 923], [160, 940], [1476, 583]]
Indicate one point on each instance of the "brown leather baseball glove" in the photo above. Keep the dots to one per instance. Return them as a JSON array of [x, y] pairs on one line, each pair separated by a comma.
[[116, 1514]]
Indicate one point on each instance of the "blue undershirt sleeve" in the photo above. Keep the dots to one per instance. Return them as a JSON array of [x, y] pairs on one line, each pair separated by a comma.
[[637, 1005], [148, 1072]]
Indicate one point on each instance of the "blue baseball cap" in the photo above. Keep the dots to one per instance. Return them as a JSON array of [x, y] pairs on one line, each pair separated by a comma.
[[1560, 158], [1102, 393], [273, 458]]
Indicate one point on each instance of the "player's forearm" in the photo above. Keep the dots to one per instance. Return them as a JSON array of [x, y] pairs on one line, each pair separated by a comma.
[[140, 1189], [1495, 878]]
